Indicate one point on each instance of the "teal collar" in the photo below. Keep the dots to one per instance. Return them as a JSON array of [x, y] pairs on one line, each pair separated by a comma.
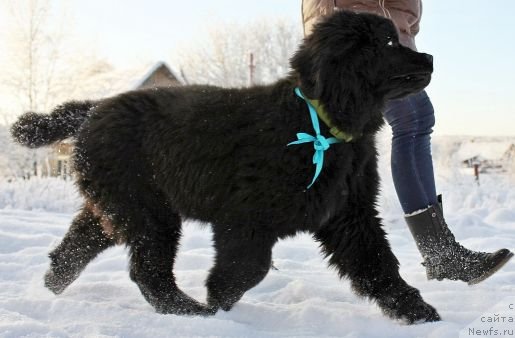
[[320, 143]]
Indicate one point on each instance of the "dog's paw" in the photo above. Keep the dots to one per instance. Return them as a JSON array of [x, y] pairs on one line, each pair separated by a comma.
[[217, 300], [56, 282], [174, 301], [419, 313], [408, 307], [185, 308]]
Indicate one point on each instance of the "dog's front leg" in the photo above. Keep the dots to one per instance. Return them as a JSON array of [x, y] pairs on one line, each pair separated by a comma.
[[358, 248], [243, 258]]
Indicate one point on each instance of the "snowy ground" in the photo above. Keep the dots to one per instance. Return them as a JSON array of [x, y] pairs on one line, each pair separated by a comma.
[[302, 299]]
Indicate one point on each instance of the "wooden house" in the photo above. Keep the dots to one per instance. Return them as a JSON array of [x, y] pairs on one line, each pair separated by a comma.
[[58, 163], [159, 76]]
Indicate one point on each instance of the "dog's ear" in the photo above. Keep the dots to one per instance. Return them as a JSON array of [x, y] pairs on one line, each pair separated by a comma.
[[321, 63], [311, 63], [322, 52], [302, 64]]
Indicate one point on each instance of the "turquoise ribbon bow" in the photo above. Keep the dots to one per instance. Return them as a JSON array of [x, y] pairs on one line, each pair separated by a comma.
[[320, 143]]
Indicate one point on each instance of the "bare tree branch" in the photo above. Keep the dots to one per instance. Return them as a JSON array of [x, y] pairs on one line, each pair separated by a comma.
[[223, 59]]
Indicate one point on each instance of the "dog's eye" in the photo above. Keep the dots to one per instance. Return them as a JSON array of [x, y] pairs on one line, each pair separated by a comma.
[[390, 41]]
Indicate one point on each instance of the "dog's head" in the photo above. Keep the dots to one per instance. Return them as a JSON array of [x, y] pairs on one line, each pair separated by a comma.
[[353, 63]]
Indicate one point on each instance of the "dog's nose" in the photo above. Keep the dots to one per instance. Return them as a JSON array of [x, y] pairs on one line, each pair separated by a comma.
[[429, 58]]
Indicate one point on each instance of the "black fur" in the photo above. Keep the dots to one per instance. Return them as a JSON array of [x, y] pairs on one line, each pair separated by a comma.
[[34, 130], [147, 159]]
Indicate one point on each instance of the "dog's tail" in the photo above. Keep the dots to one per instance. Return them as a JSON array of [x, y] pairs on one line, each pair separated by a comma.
[[35, 130]]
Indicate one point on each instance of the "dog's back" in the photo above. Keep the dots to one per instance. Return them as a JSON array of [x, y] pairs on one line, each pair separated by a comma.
[[214, 153]]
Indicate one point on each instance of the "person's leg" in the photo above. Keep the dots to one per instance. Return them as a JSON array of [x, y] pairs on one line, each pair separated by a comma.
[[412, 120]]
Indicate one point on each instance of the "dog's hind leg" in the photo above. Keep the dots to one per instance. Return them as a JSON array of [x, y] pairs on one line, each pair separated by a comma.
[[84, 240], [153, 249], [243, 258]]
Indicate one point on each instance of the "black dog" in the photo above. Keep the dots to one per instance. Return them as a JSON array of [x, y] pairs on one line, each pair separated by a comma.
[[147, 159]]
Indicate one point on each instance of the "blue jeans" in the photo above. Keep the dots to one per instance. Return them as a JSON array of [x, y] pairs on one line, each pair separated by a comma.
[[412, 120]]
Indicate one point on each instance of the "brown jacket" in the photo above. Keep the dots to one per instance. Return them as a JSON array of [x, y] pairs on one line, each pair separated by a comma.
[[405, 14]]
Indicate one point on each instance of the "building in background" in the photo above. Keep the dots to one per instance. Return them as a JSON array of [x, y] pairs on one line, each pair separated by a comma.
[[487, 156], [58, 163], [159, 76]]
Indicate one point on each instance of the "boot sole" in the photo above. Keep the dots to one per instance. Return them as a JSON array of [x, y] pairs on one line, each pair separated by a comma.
[[491, 271]]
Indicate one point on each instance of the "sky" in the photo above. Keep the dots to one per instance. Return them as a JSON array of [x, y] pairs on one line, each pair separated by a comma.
[[474, 80]]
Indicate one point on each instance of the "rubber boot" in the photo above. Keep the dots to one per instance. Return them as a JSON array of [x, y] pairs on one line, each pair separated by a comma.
[[444, 258]]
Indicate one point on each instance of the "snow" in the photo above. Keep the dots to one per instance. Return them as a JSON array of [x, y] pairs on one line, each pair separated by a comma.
[[48, 194], [302, 299]]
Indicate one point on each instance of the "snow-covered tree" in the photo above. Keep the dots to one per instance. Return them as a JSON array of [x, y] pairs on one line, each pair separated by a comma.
[[223, 58], [42, 65], [17, 161]]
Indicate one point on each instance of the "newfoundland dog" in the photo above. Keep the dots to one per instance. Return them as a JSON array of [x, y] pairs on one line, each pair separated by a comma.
[[258, 164]]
